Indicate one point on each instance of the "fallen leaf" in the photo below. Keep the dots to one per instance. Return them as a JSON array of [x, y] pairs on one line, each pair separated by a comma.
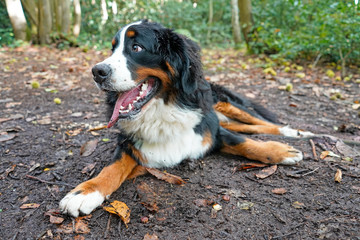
[[147, 197], [266, 172], [338, 176], [29, 205], [81, 224], [56, 220], [202, 202], [245, 205], [251, 165], [88, 168], [170, 178], [73, 132], [297, 204], [97, 128], [88, 148], [279, 191], [325, 154], [44, 121], [151, 237], [4, 119], [120, 209], [6, 137], [346, 150]]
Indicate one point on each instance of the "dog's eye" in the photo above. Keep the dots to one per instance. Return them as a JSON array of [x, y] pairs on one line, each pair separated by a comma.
[[137, 48]]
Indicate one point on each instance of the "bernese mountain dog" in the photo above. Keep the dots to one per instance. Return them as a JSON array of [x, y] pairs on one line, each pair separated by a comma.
[[167, 112]]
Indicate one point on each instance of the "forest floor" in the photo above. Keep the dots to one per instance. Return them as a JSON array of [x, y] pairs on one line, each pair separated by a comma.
[[40, 144]]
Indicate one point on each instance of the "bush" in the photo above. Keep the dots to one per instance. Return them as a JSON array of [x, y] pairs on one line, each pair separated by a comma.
[[307, 29]]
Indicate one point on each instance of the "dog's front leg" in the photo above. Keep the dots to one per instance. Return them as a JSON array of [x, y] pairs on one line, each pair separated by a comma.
[[90, 194]]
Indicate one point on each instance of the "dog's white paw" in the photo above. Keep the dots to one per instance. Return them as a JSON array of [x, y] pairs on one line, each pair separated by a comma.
[[297, 157], [74, 203], [290, 132]]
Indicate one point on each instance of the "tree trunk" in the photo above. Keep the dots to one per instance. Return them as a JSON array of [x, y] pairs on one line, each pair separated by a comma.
[[245, 18], [77, 23], [17, 18], [65, 16], [104, 13], [45, 21], [235, 22]]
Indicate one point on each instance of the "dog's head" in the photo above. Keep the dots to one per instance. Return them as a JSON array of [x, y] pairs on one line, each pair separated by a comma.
[[148, 61]]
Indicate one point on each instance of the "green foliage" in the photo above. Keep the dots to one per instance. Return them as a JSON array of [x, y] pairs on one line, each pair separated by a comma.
[[306, 29], [184, 15], [6, 32]]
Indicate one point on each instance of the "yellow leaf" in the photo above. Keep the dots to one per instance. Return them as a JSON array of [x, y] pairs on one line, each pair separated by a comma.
[[270, 71], [300, 75], [330, 73], [46, 169], [120, 209], [287, 69]]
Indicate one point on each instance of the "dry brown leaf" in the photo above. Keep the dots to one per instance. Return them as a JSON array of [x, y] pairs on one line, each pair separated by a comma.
[[338, 175], [120, 209], [44, 121], [73, 132], [279, 191], [202, 202], [151, 237], [147, 196], [88, 168], [266, 172], [88, 148], [29, 205], [6, 137], [251, 165], [97, 128], [81, 224], [56, 220], [170, 178]]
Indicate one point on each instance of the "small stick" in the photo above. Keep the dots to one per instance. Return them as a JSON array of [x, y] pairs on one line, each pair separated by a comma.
[[97, 128], [310, 172], [48, 182], [107, 227], [313, 149]]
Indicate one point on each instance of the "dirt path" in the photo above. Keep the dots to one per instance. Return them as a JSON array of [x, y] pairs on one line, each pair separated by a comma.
[[40, 157]]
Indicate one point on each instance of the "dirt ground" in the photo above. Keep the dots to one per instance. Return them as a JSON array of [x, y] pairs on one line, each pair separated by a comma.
[[40, 145]]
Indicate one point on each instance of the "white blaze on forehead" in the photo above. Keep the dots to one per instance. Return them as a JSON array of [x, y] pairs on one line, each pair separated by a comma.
[[121, 79]]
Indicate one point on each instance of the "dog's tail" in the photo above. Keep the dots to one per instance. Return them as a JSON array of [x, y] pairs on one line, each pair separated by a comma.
[[223, 94]]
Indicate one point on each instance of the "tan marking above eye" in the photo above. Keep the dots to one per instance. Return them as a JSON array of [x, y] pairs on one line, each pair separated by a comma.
[[130, 33], [113, 41]]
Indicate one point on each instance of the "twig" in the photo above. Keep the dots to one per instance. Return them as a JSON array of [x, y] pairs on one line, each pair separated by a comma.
[[107, 227], [310, 172], [313, 149], [97, 128], [48, 182], [317, 59]]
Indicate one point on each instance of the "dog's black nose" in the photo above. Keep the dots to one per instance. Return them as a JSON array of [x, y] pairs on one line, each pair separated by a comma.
[[101, 72]]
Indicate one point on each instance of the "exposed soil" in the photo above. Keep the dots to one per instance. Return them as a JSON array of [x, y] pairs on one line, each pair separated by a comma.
[[40, 157]]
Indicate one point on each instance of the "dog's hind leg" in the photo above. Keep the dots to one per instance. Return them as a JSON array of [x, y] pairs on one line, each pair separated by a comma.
[[267, 152], [90, 194], [241, 121]]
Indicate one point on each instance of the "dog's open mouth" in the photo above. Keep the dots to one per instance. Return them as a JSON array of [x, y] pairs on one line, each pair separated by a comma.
[[129, 103]]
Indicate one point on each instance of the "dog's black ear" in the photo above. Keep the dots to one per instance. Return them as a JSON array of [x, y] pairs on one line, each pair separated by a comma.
[[180, 53]]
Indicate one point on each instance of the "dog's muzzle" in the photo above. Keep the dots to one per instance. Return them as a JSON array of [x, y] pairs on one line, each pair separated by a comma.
[[101, 72]]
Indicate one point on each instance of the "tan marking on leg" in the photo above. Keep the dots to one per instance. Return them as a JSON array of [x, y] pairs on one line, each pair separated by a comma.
[[207, 139], [137, 171], [110, 178], [138, 155], [235, 113], [244, 128], [266, 152]]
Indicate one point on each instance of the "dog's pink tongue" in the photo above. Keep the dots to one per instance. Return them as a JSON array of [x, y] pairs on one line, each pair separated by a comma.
[[124, 100]]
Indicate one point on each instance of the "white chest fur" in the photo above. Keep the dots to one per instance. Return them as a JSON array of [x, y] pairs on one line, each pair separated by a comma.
[[165, 134]]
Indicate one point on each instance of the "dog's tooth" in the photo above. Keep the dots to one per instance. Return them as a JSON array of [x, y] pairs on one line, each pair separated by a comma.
[[121, 107], [130, 106], [144, 86], [137, 98]]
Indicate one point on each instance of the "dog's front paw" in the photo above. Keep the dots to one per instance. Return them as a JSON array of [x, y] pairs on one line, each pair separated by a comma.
[[279, 153], [289, 132], [76, 202]]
